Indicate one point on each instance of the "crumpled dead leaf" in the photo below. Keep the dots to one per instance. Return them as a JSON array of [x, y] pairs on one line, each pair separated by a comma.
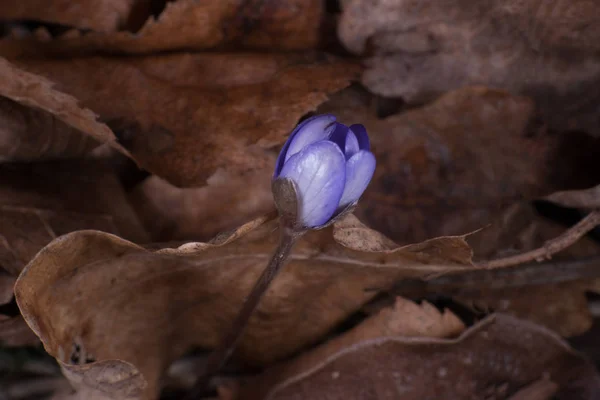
[[422, 48], [405, 318], [493, 359], [39, 202], [194, 25], [14, 332], [30, 134], [548, 294], [543, 389], [7, 281], [561, 307], [585, 199], [451, 166], [185, 116], [103, 16], [151, 307], [172, 213], [38, 93]]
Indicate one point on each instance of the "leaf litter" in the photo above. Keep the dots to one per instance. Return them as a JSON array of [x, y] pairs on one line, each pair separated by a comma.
[[181, 131], [189, 295], [190, 25], [171, 115], [420, 49]]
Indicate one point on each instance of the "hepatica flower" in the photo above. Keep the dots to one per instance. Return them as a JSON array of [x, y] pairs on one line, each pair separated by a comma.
[[321, 172], [330, 164]]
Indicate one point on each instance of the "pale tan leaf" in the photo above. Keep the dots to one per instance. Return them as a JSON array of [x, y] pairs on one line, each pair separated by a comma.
[[104, 380]]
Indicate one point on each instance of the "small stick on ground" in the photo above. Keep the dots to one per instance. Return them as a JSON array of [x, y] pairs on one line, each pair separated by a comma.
[[549, 248]]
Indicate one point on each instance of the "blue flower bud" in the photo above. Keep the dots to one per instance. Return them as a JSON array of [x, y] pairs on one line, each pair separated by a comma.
[[330, 164]]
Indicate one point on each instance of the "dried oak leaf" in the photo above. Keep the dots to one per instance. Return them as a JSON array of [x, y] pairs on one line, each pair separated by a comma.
[[41, 201], [451, 166], [185, 116], [546, 50], [492, 360], [103, 16], [48, 107], [194, 25], [93, 296]]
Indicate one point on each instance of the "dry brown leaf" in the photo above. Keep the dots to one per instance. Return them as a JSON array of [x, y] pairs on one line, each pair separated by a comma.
[[171, 213], [104, 16], [30, 134], [451, 166], [546, 50], [544, 389], [492, 360], [195, 25], [37, 92], [14, 332], [559, 305], [520, 228], [404, 318], [552, 294], [39, 202], [186, 116], [586, 198], [7, 281], [118, 301]]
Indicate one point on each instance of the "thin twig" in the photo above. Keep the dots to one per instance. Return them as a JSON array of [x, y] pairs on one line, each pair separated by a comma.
[[221, 354], [549, 248]]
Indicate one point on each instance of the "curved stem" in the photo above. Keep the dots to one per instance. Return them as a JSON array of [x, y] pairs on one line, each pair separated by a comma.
[[221, 354]]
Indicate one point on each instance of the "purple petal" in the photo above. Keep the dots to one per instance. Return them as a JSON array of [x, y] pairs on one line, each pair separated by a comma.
[[313, 126], [352, 145], [359, 171], [361, 135], [319, 172], [338, 136], [317, 129], [345, 139]]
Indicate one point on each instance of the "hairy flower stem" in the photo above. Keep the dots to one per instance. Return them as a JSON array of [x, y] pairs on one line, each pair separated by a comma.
[[221, 354]]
